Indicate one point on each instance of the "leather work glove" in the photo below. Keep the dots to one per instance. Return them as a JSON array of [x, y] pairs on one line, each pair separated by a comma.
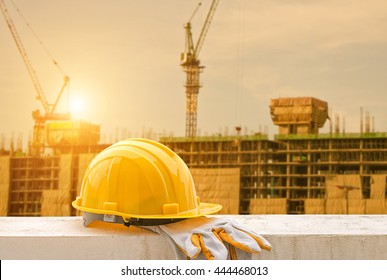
[[215, 238]]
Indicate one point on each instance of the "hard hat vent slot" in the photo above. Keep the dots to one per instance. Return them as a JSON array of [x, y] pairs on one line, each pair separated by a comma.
[[110, 206], [171, 209]]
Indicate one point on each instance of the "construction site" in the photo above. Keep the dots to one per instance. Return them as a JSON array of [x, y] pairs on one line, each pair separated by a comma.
[[294, 173], [299, 171]]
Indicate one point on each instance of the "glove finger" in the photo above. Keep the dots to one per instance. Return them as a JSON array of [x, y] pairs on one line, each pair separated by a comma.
[[233, 253], [241, 241], [195, 240], [212, 247], [262, 242], [190, 246], [183, 242]]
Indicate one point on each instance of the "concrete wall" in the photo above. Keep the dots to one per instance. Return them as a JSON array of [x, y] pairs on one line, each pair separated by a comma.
[[292, 237]]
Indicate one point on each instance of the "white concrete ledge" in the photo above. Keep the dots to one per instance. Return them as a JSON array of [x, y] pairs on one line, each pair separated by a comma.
[[292, 237]]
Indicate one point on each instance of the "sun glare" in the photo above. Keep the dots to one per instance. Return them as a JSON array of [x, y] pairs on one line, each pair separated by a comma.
[[77, 107]]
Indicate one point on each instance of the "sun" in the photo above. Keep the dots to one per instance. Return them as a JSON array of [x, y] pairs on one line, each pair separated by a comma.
[[77, 106]]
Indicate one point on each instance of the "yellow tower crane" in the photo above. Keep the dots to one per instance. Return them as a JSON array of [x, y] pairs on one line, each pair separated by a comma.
[[191, 66], [39, 139]]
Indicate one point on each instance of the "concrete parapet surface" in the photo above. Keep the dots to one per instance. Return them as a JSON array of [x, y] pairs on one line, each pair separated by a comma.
[[304, 237]]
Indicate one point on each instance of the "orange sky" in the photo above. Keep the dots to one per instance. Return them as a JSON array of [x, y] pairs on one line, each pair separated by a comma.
[[123, 60]]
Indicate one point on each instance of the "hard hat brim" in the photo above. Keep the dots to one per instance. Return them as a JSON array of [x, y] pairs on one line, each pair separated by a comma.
[[209, 208], [203, 210]]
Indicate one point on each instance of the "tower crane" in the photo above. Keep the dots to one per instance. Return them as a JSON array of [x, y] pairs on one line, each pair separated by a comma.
[[189, 60], [50, 113]]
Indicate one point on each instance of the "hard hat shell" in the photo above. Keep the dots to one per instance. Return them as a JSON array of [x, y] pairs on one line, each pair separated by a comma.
[[140, 178]]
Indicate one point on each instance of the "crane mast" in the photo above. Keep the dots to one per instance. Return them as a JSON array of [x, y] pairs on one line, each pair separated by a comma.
[[191, 66], [49, 109]]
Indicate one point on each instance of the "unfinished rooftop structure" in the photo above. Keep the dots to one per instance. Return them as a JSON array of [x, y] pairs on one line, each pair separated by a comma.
[[300, 115]]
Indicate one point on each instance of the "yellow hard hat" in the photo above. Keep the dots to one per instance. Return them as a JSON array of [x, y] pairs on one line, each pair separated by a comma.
[[141, 179]]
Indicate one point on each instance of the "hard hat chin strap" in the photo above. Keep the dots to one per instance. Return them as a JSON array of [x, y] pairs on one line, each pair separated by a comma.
[[149, 222], [88, 218]]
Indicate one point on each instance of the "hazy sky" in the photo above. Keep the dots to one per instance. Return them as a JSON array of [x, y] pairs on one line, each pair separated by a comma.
[[123, 60]]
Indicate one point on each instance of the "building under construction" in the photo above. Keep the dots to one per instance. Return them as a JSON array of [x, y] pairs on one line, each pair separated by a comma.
[[298, 172]]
